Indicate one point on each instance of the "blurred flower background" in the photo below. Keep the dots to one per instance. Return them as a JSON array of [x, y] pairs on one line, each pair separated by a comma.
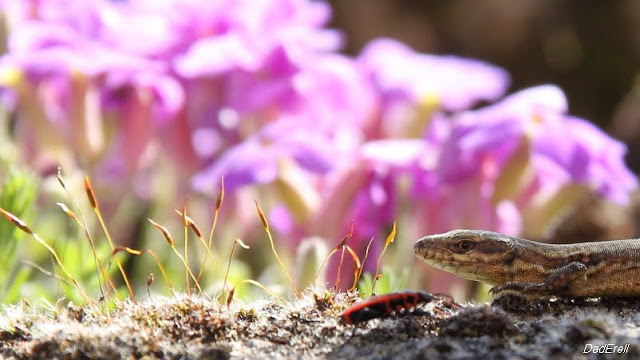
[[323, 121]]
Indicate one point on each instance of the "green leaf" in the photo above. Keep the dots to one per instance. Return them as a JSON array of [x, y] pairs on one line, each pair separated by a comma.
[[388, 281], [17, 193], [14, 292]]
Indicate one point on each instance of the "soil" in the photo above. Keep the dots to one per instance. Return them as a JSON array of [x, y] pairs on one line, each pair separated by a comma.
[[511, 327]]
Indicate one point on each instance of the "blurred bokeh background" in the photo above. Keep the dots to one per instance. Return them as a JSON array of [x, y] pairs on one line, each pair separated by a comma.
[[588, 48], [518, 117]]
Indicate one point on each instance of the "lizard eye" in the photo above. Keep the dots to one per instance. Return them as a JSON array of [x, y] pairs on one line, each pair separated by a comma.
[[463, 246]]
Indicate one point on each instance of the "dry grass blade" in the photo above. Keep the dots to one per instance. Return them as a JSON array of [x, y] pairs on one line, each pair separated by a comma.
[[364, 259], [389, 240], [263, 219], [192, 225], [150, 279], [169, 239], [216, 210], [253, 282], [16, 221], [357, 266], [342, 243], [220, 197], [99, 267], [96, 209], [185, 225], [83, 225], [233, 250], [155, 257], [242, 244], [47, 272], [163, 230], [265, 224], [67, 211], [90, 194], [23, 226], [198, 234], [336, 284], [230, 297]]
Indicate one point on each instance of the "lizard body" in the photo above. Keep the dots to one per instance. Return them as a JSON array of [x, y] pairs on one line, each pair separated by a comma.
[[595, 269]]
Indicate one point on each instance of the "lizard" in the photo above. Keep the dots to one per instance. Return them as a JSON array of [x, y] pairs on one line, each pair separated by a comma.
[[511, 264]]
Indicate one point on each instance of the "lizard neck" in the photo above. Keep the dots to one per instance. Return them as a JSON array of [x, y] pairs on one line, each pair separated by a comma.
[[534, 261]]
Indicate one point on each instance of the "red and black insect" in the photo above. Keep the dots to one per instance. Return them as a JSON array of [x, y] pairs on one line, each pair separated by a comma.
[[385, 305]]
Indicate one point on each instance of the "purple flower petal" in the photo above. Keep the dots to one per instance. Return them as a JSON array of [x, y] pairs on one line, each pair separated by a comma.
[[458, 83], [215, 56], [400, 153], [246, 164]]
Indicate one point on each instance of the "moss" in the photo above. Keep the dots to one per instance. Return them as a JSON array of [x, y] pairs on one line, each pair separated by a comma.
[[193, 328]]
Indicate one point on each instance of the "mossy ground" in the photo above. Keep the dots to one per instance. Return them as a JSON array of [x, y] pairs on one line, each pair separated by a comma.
[[194, 328]]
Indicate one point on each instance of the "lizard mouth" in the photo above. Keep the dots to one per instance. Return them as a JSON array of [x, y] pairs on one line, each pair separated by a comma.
[[463, 265]]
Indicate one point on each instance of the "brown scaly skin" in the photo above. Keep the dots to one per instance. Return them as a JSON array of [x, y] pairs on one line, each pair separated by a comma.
[[595, 269]]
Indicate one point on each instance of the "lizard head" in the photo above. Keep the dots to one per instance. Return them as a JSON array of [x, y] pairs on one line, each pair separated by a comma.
[[474, 255]]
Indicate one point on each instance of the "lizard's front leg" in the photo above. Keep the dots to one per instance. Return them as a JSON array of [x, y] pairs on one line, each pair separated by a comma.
[[555, 283]]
